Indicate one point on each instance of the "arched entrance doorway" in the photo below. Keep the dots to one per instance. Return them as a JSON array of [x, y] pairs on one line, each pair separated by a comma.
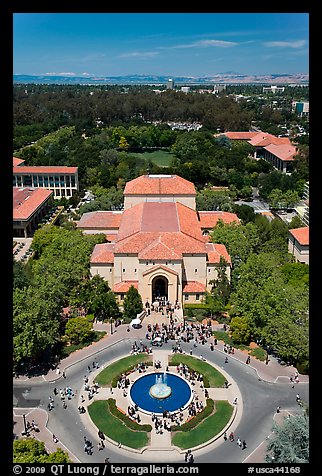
[[159, 287]]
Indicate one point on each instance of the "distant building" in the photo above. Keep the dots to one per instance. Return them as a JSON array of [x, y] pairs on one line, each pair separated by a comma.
[[273, 89], [298, 244], [218, 88], [170, 84], [30, 205], [62, 181], [301, 108], [185, 89]]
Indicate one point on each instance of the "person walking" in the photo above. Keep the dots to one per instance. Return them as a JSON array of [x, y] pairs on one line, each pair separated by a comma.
[[244, 445], [225, 436], [248, 360], [231, 436], [226, 360], [239, 442]]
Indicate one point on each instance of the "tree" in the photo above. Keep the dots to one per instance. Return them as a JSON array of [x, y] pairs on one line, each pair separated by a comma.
[[29, 450], [290, 443], [240, 330], [78, 330], [132, 303]]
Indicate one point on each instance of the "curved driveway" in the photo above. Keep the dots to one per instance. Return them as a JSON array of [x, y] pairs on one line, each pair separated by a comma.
[[261, 393]]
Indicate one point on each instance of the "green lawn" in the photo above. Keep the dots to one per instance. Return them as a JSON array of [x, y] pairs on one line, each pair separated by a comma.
[[115, 428], [109, 374], [158, 157], [211, 376], [207, 429]]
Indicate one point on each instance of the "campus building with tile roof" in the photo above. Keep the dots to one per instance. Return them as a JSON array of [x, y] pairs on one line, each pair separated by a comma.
[[279, 151], [29, 208], [158, 242], [61, 180], [299, 244]]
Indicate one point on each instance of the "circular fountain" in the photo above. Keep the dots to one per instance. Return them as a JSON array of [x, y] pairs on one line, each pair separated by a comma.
[[159, 392]]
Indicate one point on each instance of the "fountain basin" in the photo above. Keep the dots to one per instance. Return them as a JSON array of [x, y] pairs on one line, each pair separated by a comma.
[[151, 395]]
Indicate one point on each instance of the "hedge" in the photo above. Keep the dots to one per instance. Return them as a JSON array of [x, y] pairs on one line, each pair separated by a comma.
[[133, 425], [209, 408]]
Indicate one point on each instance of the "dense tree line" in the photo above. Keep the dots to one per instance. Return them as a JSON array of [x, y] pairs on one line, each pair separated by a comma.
[[269, 295]]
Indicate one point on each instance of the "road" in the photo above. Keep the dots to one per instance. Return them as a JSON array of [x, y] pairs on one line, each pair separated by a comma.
[[260, 399]]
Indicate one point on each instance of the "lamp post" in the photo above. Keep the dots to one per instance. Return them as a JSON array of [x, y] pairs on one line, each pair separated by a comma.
[[111, 322], [25, 432]]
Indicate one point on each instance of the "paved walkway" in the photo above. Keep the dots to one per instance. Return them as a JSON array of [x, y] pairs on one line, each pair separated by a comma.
[[273, 372]]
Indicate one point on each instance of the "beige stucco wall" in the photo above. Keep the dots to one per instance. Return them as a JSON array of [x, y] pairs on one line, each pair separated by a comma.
[[131, 200], [192, 263], [129, 263], [300, 252], [145, 284], [104, 270]]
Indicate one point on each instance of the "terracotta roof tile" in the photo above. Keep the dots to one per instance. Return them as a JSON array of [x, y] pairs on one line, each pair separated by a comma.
[[262, 139], [215, 251], [100, 219], [282, 151], [17, 162], [159, 185], [240, 135], [44, 169], [159, 250], [27, 200], [103, 253], [193, 287], [301, 235], [124, 286], [210, 219]]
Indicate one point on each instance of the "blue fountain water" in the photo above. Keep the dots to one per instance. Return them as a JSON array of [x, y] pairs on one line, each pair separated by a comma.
[[159, 392]]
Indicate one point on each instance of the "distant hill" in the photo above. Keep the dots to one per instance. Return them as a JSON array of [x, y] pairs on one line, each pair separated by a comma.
[[219, 78]]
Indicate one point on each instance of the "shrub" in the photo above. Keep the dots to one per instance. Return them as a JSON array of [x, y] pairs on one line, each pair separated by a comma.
[[128, 422], [209, 408]]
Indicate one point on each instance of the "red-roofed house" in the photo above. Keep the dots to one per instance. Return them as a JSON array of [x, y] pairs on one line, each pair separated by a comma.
[[279, 151], [62, 181], [159, 245], [298, 244], [29, 208]]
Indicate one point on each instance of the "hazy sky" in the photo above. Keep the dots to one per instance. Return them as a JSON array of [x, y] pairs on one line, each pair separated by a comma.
[[172, 44]]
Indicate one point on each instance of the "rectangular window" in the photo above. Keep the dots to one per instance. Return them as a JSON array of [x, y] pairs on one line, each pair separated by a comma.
[[40, 181], [123, 270], [186, 297], [57, 192], [122, 297], [197, 297], [209, 269], [196, 271], [46, 181], [73, 181], [110, 270], [51, 181], [27, 180], [67, 180], [135, 270]]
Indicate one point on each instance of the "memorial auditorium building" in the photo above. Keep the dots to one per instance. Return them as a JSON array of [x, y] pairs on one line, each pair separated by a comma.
[[159, 243]]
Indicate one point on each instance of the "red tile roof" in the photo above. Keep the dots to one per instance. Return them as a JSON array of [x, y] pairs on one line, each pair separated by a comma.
[[239, 135], [17, 162], [282, 151], [100, 220], [193, 287], [210, 219], [176, 223], [301, 235], [159, 185], [159, 250], [27, 200], [44, 169], [215, 251], [262, 139], [103, 253], [124, 286]]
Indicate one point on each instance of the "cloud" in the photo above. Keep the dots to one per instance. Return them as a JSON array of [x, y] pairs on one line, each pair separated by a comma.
[[285, 44], [139, 54], [207, 43]]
